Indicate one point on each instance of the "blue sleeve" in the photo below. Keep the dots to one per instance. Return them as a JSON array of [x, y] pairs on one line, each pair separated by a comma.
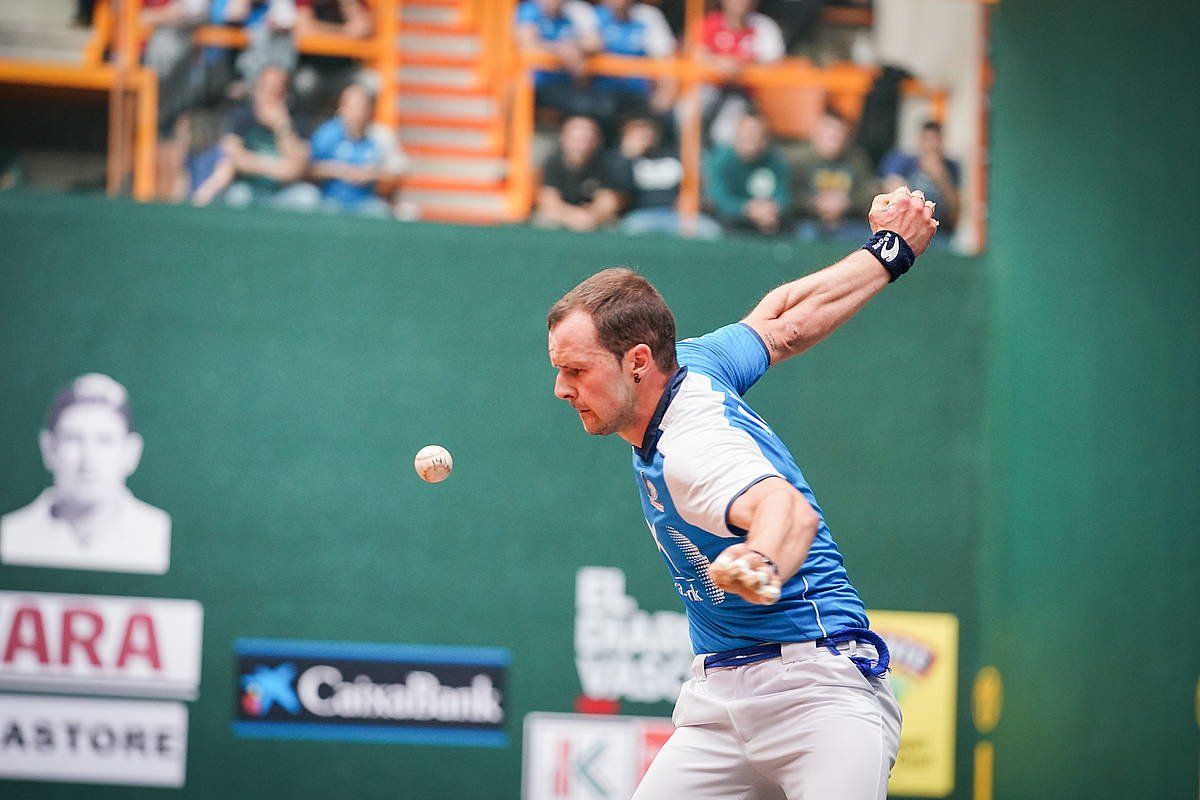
[[527, 12], [735, 355], [895, 163], [325, 141]]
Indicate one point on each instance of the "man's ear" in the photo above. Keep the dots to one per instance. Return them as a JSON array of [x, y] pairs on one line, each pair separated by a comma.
[[132, 454], [46, 444], [639, 357]]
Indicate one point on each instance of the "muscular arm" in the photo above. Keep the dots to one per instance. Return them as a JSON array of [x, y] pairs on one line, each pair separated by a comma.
[[781, 527], [797, 315], [780, 521]]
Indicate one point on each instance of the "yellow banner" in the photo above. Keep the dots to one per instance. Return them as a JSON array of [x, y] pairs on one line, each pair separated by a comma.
[[924, 648]]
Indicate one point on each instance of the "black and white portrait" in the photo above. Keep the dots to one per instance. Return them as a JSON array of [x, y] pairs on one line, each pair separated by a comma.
[[88, 518]]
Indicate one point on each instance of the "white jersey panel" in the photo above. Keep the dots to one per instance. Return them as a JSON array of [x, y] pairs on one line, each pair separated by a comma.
[[707, 462]]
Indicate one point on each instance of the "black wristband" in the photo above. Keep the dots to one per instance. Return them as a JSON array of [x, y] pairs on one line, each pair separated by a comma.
[[892, 251], [768, 561]]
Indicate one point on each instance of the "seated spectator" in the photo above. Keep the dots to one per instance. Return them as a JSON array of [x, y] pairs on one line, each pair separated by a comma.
[[652, 177], [748, 183], [928, 170], [731, 37], [581, 187], [834, 183], [566, 28], [628, 28], [350, 158], [171, 55], [261, 155], [334, 17], [269, 24]]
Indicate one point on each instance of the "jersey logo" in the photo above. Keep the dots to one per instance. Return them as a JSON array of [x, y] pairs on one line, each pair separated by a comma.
[[652, 494]]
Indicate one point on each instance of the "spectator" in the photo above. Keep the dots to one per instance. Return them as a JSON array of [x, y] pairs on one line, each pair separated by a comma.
[[581, 188], [261, 155], [748, 182], [269, 24], [336, 17], [731, 37], [928, 170], [566, 28], [350, 158], [628, 28], [652, 175], [834, 183], [170, 54], [319, 79]]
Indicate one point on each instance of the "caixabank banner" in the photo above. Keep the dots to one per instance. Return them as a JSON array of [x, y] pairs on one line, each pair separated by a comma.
[[358, 691]]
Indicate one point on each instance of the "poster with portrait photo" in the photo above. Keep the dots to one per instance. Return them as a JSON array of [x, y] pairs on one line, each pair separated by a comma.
[[88, 518]]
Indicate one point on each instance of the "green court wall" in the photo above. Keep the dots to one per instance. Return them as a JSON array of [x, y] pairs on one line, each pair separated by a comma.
[[284, 370], [1090, 561]]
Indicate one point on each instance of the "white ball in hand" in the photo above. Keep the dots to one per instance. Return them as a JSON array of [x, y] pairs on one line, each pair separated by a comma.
[[433, 463]]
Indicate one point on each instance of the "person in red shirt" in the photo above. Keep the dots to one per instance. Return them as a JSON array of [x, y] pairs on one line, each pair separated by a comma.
[[732, 36]]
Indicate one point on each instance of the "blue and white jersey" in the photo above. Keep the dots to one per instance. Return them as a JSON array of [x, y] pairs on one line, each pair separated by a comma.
[[703, 449]]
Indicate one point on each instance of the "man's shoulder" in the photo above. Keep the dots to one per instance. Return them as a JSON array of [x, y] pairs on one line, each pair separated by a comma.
[[27, 518], [146, 518]]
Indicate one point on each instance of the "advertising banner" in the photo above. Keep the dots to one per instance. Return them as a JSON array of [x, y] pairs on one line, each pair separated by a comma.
[[91, 644], [84, 740], [924, 675], [589, 756], [353, 691]]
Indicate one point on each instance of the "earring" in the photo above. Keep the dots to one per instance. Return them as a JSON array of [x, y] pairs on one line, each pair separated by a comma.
[[637, 377]]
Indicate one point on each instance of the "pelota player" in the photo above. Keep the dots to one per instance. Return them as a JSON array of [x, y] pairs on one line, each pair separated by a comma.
[[789, 695]]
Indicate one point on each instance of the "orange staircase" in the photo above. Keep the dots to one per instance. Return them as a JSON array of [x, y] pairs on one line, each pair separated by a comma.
[[449, 112]]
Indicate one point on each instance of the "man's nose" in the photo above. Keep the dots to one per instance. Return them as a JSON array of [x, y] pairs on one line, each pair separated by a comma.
[[561, 389]]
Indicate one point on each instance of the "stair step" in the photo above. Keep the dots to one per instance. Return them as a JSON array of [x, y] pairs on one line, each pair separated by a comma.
[[482, 203], [435, 105], [464, 46], [436, 150], [35, 53], [466, 169], [42, 37], [461, 77], [430, 14], [465, 138], [435, 59]]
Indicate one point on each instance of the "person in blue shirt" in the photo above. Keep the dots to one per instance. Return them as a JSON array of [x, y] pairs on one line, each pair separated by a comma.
[[567, 29], [929, 170], [347, 161], [627, 28], [789, 691]]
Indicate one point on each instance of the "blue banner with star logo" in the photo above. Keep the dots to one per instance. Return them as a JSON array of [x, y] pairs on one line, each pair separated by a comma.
[[359, 691]]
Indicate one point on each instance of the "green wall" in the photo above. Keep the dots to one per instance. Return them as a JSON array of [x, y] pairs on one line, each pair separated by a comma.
[[284, 370], [1089, 570]]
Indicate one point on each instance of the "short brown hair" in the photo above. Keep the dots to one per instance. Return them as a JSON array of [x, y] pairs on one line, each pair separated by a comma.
[[627, 311]]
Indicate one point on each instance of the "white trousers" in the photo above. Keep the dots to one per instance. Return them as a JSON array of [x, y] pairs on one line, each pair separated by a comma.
[[807, 726]]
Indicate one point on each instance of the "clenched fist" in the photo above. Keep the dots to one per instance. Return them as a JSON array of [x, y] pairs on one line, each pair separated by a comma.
[[747, 573], [906, 213]]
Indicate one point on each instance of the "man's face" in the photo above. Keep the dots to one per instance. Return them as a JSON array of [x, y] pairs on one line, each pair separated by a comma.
[[355, 108], [829, 137], [637, 138], [550, 8], [737, 8], [272, 85], [619, 7], [579, 140], [589, 377], [750, 138], [930, 142], [90, 452]]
